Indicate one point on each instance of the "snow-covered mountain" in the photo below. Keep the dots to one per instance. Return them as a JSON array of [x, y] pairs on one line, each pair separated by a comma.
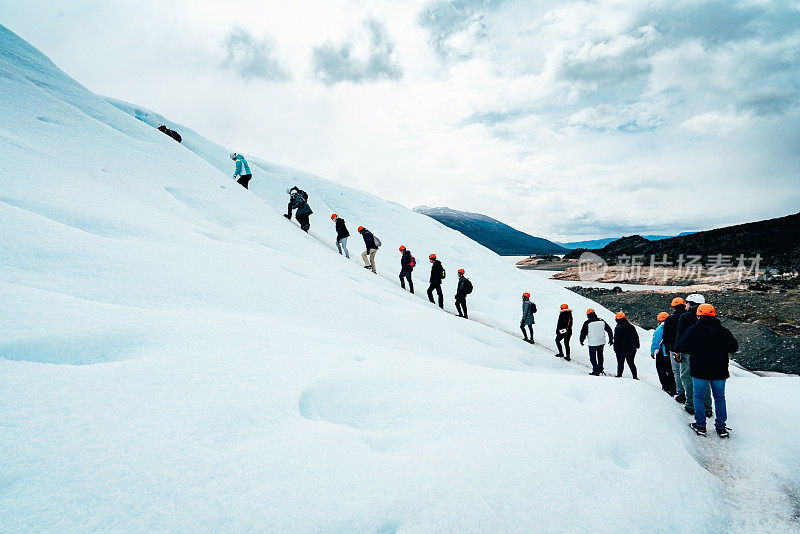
[[491, 233], [176, 356]]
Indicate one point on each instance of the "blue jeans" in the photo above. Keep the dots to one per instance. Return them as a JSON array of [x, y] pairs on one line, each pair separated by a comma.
[[718, 392]]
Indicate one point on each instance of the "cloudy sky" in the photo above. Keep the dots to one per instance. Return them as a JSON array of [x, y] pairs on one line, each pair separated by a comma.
[[568, 120]]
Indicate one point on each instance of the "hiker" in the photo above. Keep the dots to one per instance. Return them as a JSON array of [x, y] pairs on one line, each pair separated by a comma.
[[407, 263], [372, 243], [437, 275], [528, 309], [242, 173], [708, 345], [662, 358], [464, 288], [341, 235], [595, 329], [298, 200], [626, 343], [685, 320], [564, 331], [172, 133], [668, 340]]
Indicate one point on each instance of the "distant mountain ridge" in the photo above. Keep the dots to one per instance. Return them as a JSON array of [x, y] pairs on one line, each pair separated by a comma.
[[776, 241], [600, 243], [491, 233]]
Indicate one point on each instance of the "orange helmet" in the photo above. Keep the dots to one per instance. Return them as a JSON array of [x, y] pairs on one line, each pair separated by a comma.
[[590, 310], [360, 229], [565, 306], [402, 248], [678, 301], [333, 217], [432, 257], [706, 309], [526, 294], [620, 315], [662, 316], [461, 271]]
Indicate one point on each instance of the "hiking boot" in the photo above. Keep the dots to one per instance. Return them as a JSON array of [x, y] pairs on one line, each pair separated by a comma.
[[680, 399], [723, 432], [709, 414], [689, 410], [699, 430], [567, 358], [559, 355]]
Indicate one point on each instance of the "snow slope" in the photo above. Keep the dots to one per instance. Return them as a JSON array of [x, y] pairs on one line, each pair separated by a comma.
[[175, 355]]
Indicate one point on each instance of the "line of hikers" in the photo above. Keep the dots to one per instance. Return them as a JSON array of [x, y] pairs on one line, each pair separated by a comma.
[[690, 346]]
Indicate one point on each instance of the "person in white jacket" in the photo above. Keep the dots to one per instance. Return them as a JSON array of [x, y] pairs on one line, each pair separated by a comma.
[[595, 330]]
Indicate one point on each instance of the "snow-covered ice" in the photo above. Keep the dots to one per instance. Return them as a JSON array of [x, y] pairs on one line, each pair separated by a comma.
[[175, 355]]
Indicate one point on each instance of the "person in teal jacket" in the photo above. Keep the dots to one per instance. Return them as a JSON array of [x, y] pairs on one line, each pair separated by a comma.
[[242, 173], [662, 358]]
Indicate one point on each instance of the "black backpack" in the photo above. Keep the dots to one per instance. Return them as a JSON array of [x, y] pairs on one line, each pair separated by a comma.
[[467, 286]]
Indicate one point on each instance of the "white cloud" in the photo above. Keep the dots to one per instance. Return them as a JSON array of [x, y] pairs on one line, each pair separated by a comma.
[[561, 118]]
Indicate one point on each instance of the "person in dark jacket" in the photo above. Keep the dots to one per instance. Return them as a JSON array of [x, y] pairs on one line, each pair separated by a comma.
[[626, 343], [298, 201], [708, 345], [372, 247], [341, 235], [594, 330], [407, 263], [172, 133], [659, 354], [685, 321], [564, 331], [668, 339], [464, 288], [528, 309], [437, 275]]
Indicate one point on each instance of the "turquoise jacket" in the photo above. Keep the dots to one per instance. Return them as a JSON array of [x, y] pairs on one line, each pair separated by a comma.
[[658, 337], [241, 164]]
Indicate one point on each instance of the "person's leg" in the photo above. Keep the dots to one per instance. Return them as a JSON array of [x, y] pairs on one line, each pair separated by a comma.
[[344, 246], [686, 378], [709, 407], [676, 372], [558, 344], [244, 179], [698, 389], [430, 292], [663, 369], [620, 364], [464, 305], [339, 246], [718, 389], [364, 257], [410, 283], [441, 295], [458, 308], [289, 210], [402, 279], [303, 221], [593, 359], [566, 347], [632, 365], [372, 259], [524, 333], [600, 367]]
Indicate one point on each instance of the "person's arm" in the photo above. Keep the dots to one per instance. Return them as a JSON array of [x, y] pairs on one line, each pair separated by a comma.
[[657, 337], [238, 170], [686, 343], [584, 331], [635, 337], [610, 333], [733, 344]]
